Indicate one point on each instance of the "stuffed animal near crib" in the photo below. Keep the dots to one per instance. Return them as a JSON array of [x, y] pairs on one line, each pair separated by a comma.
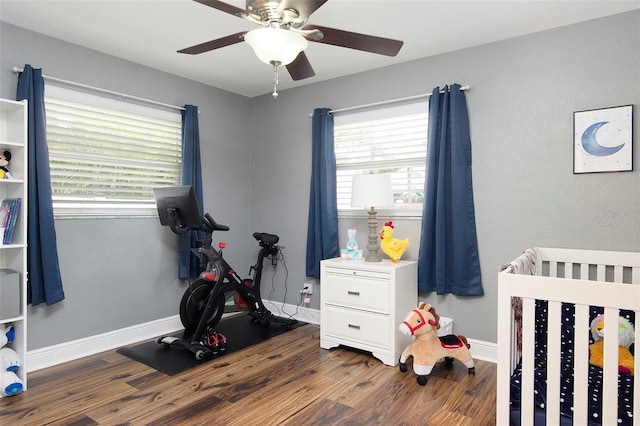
[[626, 335], [427, 347]]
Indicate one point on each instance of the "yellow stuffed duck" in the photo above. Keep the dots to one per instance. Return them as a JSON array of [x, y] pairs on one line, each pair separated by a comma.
[[392, 247], [625, 340]]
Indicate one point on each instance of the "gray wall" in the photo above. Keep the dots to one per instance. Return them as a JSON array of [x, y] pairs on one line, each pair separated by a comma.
[[523, 95], [121, 272]]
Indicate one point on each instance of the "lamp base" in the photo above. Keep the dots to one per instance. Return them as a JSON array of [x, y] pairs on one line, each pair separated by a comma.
[[372, 248]]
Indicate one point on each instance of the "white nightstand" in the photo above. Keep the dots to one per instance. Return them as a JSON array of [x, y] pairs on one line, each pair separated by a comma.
[[363, 303]]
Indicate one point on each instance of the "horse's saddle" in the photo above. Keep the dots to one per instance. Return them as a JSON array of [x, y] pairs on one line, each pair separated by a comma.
[[450, 341]]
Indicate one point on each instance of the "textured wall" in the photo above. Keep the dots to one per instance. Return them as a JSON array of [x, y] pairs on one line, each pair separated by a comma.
[[523, 95], [122, 272]]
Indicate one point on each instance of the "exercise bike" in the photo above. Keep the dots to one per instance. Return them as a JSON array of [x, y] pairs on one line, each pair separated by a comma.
[[204, 301]]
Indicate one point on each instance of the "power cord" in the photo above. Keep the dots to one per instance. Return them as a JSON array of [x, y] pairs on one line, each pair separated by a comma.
[[279, 258], [273, 283], [286, 287]]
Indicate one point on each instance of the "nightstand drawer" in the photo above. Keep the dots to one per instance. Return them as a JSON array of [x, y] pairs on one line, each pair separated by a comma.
[[357, 273], [367, 294], [358, 326]]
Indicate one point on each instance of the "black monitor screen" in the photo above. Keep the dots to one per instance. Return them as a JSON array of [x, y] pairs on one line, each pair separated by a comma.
[[181, 200]]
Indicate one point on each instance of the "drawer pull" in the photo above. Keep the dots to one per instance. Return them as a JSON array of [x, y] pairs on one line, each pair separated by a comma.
[[353, 293], [357, 327]]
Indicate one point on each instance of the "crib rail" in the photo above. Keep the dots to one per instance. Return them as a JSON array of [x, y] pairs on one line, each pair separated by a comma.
[[592, 265], [583, 278]]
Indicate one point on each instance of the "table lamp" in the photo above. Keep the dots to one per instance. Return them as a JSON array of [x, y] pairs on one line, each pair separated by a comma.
[[372, 190]]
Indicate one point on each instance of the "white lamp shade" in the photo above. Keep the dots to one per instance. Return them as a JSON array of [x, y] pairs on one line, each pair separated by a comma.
[[276, 45], [371, 190]]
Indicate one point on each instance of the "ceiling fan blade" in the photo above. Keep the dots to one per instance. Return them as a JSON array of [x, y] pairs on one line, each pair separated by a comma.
[[300, 68], [366, 43], [214, 44], [304, 7], [224, 7]]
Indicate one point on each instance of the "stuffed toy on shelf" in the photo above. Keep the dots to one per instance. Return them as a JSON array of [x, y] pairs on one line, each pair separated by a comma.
[[10, 383], [5, 159], [351, 252], [626, 334], [7, 334]]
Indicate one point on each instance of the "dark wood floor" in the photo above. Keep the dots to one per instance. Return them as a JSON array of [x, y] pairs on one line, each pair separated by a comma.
[[287, 380]]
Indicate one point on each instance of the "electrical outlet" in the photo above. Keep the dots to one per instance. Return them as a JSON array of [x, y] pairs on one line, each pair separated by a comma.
[[307, 288]]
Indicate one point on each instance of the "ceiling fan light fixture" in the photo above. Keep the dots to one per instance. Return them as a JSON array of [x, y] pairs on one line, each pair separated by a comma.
[[276, 46]]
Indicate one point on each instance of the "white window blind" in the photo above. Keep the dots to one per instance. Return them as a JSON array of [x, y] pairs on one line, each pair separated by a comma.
[[106, 155], [389, 140]]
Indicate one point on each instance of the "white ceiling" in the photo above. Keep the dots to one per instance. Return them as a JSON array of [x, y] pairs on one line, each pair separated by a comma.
[[150, 32]]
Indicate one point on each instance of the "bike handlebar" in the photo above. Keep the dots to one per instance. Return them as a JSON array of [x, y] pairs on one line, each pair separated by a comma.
[[211, 225]]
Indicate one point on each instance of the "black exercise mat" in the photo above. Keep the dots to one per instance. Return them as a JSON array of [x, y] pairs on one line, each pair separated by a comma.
[[239, 330]]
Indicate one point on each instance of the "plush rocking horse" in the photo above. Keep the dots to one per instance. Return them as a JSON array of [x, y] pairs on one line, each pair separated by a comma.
[[427, 348]]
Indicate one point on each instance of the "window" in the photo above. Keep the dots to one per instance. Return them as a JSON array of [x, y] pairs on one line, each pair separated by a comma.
[[106, 155], [388, 140]]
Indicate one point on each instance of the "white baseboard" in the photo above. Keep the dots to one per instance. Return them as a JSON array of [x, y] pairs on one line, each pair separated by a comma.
[[308, 315], [485, 351], [75, 349], [69, 351]]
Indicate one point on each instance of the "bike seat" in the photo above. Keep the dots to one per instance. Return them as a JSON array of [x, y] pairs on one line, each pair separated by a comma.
[[264, 238]]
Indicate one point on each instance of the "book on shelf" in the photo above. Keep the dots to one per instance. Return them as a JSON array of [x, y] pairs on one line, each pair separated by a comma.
[[4, 218], [9, 211]]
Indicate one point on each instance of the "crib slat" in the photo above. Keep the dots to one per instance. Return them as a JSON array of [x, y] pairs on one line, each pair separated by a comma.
[[554, 321], [568, 270], [584, 271], [610, 375], [618, 272], [515, 350], [601, 272], [528, 357], [581, 365]]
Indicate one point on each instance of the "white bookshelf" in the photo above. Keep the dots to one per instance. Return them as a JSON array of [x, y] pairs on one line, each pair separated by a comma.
[[13, 256]]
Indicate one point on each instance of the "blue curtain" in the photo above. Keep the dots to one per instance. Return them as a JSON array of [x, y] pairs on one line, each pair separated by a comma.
[[191, 175], [322, 230], [45, 282], [448, 260]]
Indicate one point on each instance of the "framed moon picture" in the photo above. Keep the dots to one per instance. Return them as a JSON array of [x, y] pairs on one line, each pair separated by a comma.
[[602, 140]]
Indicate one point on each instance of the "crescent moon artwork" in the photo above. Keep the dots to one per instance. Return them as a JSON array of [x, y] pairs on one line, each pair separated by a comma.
[[591, 145], [603, 140]]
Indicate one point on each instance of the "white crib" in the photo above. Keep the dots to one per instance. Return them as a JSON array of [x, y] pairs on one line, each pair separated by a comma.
[[583, 278]]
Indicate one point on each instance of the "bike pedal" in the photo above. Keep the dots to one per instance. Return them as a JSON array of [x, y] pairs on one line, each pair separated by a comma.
[[222, 340], [211, 341]]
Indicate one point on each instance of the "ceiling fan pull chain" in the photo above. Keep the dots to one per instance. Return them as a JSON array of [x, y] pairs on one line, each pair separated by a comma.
[[275, 80]]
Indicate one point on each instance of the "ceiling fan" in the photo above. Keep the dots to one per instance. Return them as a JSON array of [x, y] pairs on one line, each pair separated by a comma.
[[284, 36]]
